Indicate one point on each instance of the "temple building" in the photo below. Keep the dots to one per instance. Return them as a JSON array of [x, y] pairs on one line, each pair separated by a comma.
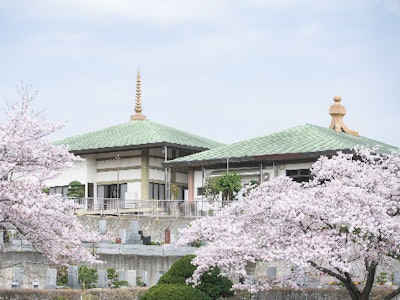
[[126, 161], [289, 152], [141, 160]]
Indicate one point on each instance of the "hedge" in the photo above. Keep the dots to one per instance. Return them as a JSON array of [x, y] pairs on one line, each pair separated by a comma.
[[173, 291]]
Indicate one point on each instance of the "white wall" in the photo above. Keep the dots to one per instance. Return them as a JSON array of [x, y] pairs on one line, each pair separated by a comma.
[[78, 171], [298, 166]]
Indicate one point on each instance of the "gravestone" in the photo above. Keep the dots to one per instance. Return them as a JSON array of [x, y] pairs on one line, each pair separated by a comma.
[[122, 234], [250, 279], [147, 240], [121, 275], [51, 279], [134, 237], [131, 277], [102, 279], [73, 281], [271, 272], [17, 278], [103, 227], [396, 278], [312, 282], [144, 278], [173, 238]]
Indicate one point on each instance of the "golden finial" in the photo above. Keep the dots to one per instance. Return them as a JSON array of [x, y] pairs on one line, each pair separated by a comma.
[[138, 103], [337, 111]]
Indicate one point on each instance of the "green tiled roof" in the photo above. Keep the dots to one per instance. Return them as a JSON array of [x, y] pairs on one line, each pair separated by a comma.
[[301, 139], [136, 133]]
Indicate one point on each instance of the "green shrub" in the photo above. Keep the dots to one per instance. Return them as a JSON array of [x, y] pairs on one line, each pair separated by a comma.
[[29, 294], [113, 294], [62, 275], [87, 277], [173, 291], [113, 278], [179, 271], [76, 189], [215, 285], [212, 283]]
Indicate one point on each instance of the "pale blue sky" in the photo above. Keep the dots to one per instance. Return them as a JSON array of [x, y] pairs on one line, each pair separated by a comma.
[[224, 69]]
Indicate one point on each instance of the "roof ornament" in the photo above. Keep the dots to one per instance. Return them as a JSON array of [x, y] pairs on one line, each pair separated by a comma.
[[138, 103], [337, 111]]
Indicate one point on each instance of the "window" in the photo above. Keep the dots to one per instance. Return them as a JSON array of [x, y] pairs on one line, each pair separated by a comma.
[[110, 191], [156, 191], [200, 191], [300, 175], [62, 190]]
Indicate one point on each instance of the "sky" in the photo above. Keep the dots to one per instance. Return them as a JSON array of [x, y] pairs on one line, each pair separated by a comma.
[[227, 70]]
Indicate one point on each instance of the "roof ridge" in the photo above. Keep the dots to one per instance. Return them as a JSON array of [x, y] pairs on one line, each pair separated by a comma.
[[136, 132]]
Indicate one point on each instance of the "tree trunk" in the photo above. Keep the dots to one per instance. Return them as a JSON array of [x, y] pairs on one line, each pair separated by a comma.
[[346, 279], [392, 294]]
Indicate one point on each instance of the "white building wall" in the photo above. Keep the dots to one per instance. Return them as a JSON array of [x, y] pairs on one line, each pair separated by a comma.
[[298, 166], [155, 174], [198, 182], [91, 170], [103, 169], [156, 161], [134, 191], [78, 171], [181, 178]]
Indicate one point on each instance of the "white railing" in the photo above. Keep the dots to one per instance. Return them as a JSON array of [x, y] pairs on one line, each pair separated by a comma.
[[152, 208]]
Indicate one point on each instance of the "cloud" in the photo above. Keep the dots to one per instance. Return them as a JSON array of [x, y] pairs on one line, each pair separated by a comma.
[[59, 45], [159, 11], [392, 6]]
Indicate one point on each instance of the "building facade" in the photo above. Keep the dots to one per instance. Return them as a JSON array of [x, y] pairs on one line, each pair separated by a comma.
[[289, 152], [142, 160], [126, 161]]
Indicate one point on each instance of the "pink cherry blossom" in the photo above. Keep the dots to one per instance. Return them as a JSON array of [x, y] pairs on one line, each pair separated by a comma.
[[27, 160], [344, 224]]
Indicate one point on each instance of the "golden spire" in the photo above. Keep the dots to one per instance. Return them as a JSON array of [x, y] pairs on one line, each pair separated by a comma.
[[337, 111], [138, 103]]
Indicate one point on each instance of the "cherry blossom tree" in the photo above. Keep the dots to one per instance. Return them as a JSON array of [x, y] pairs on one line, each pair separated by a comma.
[[344, 223], [27, 160]]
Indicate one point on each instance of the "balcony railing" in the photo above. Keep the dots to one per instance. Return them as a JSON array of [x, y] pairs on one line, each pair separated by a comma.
[[151, 208]]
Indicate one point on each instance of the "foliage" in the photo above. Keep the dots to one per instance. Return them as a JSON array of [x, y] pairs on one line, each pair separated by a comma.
[[173, 291], [75, 189], [215, 285], [139, 281], [210, 189], [87, 277], [249, 187], [22, 294], [114, 294], [113, 278], [112, 274], [228, 184], [27, 160], [382, 278], [179, 271], [174, 191], [70, 294], [212, 283], [62, 275], [347, 217]]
